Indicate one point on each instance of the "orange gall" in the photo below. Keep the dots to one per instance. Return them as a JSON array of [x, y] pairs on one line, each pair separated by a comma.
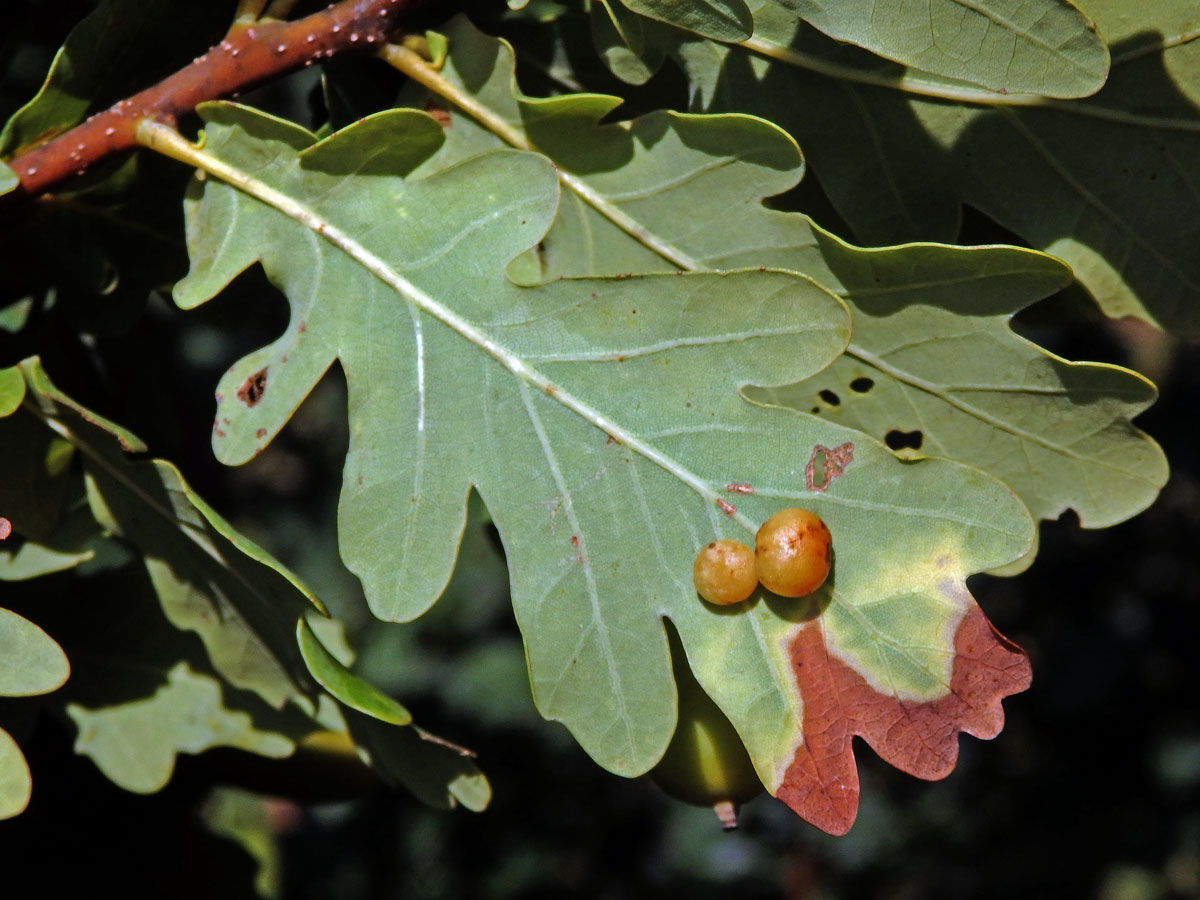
[[793, 552]]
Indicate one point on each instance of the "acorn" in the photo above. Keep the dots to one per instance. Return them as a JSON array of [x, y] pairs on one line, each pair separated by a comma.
[[706, 763]]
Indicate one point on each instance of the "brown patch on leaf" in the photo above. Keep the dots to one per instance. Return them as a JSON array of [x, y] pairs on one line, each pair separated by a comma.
[[439, 114], [738, 487], [824, 465], [253, 388], [728, 508], [821, 782], [261, 433]]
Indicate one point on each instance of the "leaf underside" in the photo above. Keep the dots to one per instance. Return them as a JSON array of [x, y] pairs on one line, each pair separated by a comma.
[[602, 492]]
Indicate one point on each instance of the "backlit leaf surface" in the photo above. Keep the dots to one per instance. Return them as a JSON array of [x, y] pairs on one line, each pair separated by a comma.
[[31, 662], [16, 784], [135, 743]]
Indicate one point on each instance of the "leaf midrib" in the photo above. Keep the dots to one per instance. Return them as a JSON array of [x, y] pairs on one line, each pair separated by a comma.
[[167, 140]]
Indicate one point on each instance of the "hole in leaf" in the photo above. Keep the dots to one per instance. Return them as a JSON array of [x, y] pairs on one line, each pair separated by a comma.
[[253, 388], [826, 464], [830, 397], [861, 385], [904, 440]]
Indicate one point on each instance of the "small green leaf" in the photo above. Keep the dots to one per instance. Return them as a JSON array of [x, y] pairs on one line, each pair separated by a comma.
[[16, 784], [627, 43], [8, 178], [249, 820], [343, 684], [12, 390], [21, 559], [31, 662], [135, 744]]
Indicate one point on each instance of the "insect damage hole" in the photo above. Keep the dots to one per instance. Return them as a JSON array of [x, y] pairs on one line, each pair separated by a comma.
[[253, 388], [826, 464], [898, 440]]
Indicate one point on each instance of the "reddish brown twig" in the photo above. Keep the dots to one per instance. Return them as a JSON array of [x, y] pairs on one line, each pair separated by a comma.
[[249, 55]]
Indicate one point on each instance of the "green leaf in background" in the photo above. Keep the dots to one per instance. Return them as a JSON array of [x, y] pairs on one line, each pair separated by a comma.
[[248, 819], [931, 359], [31, 662], [12, 390], [144, 691], [40, 488], [76, 540], [16, 784], [1116, 196], [436, 772], [718, 20], [1043, 47], [343, 684], [601, 423], [135, 744], [8, 178], [242, 603], [144, 679], [628, 43]]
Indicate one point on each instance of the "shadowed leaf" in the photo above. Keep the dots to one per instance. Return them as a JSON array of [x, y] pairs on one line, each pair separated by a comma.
[[209, 578], [1040, 47]]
